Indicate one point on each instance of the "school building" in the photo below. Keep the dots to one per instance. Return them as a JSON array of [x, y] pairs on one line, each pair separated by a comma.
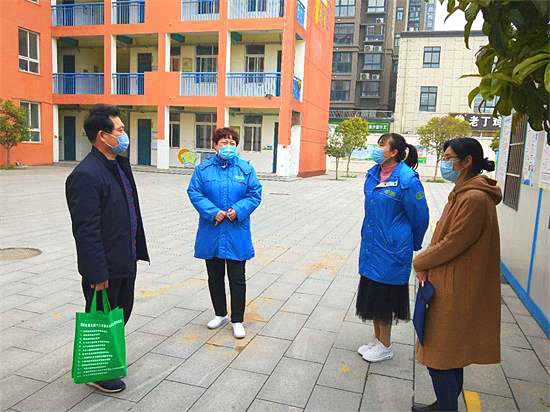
[[177, 69]]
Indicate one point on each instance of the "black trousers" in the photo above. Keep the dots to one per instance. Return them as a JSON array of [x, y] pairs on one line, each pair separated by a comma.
[[237, 287], [448, 387], [120, 292]]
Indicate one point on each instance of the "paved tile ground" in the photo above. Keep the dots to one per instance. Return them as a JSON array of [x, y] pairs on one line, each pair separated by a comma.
[[302, 333]]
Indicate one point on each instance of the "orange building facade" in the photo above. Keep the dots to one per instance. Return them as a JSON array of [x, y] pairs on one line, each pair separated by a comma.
[[177, 69]]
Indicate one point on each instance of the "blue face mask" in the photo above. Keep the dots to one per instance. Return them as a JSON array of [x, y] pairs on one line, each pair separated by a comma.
[[378, 155], [123, 141], [228, 152], [448, 172]]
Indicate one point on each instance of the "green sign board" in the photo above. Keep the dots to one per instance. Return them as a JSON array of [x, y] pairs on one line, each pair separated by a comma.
[[379, 127]]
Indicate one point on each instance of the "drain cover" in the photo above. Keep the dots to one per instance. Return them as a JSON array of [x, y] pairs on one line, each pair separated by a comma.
[[18, 253]]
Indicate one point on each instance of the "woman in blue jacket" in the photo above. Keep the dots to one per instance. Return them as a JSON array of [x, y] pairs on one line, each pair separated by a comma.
[[225, 191], [396, 219]]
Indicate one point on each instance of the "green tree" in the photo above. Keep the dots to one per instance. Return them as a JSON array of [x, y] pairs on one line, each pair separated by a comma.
[[354, 132], [515, 65], [14, 126], [440, 129], [335, 148]]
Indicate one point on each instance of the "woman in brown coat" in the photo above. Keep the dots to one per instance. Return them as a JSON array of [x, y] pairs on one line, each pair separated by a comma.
[[462, 324]]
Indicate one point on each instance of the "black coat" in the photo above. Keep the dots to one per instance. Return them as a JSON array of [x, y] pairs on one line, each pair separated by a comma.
[[101, 219]]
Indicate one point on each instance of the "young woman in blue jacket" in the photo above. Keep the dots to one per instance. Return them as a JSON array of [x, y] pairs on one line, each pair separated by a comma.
[[225, 191], [396, 219]]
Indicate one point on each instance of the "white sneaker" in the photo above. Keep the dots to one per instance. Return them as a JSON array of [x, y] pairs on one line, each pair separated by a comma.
[[217, 322], [238, 330], [378, 353], [364, 348]]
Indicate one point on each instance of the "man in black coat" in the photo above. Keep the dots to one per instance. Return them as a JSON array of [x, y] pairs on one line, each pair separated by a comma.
[[106, 219]]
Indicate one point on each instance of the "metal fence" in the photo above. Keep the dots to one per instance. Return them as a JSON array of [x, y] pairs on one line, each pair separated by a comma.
[[128, 83], [128, 11], [83, 14], [199, 84], [193, 10], [78, 83], [255, 9], [254, 84]]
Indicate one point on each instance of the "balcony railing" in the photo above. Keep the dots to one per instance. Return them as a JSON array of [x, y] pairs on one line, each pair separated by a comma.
[[297, 89], [254, 84], [83, 14], [128, 11], [374, 38], [199, 84], [255, 9], [78, 83], [128, 83], [301, 13], [193, 10]]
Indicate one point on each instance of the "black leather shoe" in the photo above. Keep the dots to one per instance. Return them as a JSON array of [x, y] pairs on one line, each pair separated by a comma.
[[112, 386], [422, 407]]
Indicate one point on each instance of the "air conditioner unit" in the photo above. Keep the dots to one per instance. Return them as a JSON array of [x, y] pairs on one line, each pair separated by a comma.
[[378, 48], [375, 76], [369, 48], [364, 76], [380, 20]]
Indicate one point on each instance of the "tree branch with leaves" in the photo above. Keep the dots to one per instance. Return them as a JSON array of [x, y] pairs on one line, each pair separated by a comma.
[[515, 65]]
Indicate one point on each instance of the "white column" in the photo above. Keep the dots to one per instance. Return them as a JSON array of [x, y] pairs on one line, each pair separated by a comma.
[[113, 62], [55, 139], [163, 145], [167, 53], [226, 118], [54, 55], [295, 144]]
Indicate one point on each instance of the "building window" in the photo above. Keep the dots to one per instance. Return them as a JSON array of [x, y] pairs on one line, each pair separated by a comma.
[[33, 113], [375, 6], [375, 32], [205, 124], [484, 107], [257, 5], [341, 62], [340, 90], [394, 67], [431, 56], [514, 167], [373, 61], [175, 58], [370, 89], [428, 98], [174, 129], [207, 59], [28, 51], [400, 14], [429, 20], [345, 8], [414, 15], [343, 34], [397, 40], [252, 133]]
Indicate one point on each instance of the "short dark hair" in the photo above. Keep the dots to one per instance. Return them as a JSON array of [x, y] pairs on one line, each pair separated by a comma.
[[225, 132], [99, 119], [468, 146], [405, 152]]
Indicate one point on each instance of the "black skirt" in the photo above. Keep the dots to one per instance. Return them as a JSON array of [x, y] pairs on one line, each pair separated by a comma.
[[380, 301]]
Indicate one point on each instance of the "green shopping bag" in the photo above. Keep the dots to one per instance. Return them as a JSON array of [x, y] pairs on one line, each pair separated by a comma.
[[99, 352]]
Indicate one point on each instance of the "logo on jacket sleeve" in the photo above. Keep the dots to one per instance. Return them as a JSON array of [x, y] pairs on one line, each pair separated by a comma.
[[420, 195], [239, 179]]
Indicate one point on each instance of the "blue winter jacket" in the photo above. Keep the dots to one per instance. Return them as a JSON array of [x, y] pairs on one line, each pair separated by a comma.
[[220, 185], [396, 219]]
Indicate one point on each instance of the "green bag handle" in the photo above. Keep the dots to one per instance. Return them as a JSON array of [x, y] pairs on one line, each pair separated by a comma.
[[105, 298]]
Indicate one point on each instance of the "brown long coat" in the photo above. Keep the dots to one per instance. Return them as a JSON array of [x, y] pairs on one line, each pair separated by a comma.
[[463, 321]]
